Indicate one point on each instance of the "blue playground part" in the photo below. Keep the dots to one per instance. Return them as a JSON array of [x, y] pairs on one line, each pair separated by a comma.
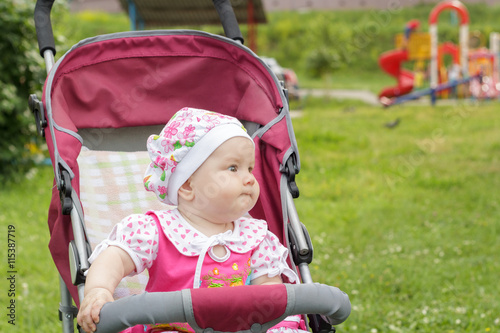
[[432, 92]]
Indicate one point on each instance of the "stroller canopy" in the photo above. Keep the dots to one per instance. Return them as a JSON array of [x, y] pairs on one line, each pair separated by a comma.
[[140, 79]]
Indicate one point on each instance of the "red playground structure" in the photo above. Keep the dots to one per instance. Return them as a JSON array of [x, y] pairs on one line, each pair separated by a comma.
[[441, 70], [391, 63]]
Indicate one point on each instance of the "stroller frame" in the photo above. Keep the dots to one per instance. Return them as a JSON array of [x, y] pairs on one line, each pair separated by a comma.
[[299, 242]]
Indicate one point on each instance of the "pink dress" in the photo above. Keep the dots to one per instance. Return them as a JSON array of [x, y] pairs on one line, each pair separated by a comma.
[[178, 256]]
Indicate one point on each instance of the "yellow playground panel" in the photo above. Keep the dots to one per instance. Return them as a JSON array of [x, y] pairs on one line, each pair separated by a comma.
[[418, 46], [481, 64]]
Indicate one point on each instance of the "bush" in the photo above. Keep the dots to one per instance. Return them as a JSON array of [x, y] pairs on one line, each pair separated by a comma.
[[316, 43], [322, 61], [21, 74]]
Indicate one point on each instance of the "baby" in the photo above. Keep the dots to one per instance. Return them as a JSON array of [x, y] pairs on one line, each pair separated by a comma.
[[202, 163]]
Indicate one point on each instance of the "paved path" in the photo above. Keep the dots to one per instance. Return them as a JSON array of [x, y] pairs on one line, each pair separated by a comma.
[[362, 95]]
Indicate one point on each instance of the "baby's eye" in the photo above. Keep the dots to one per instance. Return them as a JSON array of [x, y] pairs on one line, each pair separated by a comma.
[[233, 168]]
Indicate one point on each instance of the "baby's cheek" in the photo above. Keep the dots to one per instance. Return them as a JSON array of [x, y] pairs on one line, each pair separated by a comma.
[[257, 189]]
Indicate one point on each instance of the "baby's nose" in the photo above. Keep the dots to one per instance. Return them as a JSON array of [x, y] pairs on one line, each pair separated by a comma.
[[249, 179]]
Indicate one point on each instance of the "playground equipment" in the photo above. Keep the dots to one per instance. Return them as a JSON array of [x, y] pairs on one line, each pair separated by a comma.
[[472, 72], [391, 62], [463, 37]]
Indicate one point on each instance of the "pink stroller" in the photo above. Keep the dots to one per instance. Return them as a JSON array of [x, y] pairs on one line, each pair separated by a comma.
[[101, 101]]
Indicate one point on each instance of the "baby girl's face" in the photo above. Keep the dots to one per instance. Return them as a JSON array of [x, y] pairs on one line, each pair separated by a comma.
[[224, 184]]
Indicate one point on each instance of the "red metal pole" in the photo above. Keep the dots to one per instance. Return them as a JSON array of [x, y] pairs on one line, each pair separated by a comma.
[[252, 31]]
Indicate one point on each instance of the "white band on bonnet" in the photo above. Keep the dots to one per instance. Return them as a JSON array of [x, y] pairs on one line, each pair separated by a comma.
[[199, 153]]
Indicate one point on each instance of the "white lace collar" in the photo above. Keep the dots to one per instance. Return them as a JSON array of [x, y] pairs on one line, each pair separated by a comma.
[[247, 234]]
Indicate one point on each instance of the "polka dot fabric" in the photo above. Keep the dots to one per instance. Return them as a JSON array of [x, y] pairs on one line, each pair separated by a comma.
[[138, 236]]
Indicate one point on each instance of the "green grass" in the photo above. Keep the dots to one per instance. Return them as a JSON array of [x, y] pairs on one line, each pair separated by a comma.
[[352, 79], [405, 220], [25, 206]]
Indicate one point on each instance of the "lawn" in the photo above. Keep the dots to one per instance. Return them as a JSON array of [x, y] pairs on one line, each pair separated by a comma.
[[350, 79], [404, 219], [24, 207]]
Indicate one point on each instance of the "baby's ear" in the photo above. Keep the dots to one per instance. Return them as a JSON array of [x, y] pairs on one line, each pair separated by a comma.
[[186, 191]]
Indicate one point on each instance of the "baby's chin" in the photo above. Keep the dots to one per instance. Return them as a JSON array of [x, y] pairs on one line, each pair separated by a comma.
[[243, 213], [248, 204]]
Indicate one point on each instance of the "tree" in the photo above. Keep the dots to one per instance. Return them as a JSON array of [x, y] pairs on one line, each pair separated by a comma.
[[21, 73]]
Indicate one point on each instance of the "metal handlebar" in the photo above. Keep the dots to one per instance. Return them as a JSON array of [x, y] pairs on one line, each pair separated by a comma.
[[45, 34], [228, 20], [178, 306], [43, 26]]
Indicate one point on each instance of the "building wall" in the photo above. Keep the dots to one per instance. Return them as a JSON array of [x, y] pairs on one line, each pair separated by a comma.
[[113, 6], [276, 5], [109, 6]]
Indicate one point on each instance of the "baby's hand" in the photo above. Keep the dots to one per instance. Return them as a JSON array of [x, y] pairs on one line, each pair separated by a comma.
[[91, 306]]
